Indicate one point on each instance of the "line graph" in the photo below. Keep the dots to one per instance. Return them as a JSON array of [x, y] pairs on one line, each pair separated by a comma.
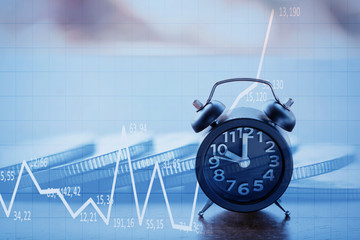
[[73, 214], [141, 216], [156, 171], [252, 86], [90, 201]]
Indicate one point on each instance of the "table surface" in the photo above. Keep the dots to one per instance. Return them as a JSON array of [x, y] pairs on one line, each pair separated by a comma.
[[313, 216]]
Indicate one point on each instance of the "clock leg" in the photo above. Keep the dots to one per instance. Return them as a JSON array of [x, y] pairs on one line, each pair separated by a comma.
[[206, 207], [287, 213]]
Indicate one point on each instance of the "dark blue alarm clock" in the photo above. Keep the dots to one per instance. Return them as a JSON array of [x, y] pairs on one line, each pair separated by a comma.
[[244, 163]]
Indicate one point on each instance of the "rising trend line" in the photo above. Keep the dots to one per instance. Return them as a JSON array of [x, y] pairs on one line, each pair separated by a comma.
[[252, 86], [90, 201], [156, 170]]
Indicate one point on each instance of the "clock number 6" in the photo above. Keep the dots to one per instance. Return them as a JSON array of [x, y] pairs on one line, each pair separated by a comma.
[[243, 188]]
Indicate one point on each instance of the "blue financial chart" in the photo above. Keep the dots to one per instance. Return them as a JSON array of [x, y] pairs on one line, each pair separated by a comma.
[[96, 105]]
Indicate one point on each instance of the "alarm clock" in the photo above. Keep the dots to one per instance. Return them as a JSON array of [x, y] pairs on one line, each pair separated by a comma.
[[244, 163]]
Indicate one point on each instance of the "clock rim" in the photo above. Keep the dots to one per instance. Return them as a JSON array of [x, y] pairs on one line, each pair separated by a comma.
[[276, 192]]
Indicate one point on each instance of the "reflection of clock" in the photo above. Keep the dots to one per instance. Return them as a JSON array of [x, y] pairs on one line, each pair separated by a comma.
[[244, 164]]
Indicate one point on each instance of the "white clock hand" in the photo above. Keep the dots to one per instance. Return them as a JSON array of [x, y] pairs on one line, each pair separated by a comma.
[[244, 154], [244, 160], [232, 155]]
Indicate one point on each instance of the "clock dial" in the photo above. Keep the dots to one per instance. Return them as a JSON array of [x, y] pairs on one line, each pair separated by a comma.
[[244, 165]]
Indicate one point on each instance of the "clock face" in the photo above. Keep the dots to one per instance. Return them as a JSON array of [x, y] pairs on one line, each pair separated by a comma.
[[242, 164]]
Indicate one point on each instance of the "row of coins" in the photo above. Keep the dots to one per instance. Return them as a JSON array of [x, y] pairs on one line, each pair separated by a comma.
[[177, 171], [53, 160], [77, 172], [180, 172], [176, 165]]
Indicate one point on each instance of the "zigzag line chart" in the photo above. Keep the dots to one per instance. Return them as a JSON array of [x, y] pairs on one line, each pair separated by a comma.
[[156, 170], [90, 201]]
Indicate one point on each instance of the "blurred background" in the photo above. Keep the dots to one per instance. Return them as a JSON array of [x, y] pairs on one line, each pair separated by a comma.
[[90, 67]]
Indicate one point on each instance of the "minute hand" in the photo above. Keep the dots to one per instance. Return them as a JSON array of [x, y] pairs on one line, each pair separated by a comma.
[[244, 154], [244, 159]]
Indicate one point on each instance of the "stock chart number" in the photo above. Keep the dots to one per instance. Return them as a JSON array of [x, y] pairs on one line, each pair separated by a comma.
[[277, 84], [7, 176], [197, 228], [38, 163], [289, 12], [256, 97], [137, 127], [51, 195], [71, 191], [154, 224], [103, 199], [86, 217], [124, 223], [22, 216]]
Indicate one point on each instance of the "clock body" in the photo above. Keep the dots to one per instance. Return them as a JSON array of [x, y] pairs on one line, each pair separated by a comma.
[[244, 164]]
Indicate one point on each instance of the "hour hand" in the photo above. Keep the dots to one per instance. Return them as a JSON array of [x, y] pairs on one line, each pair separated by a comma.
[[232, 156], [243, 162]]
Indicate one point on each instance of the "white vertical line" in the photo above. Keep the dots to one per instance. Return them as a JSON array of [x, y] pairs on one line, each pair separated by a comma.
[[252, 86], [16, 188], [133, 185], [165, 195], [194, 205], [148, 195], [265, 44], [114, 182]]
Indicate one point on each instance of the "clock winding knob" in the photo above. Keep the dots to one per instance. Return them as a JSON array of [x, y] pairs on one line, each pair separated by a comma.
[[281, 115], [197, 104], [289, 103]]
